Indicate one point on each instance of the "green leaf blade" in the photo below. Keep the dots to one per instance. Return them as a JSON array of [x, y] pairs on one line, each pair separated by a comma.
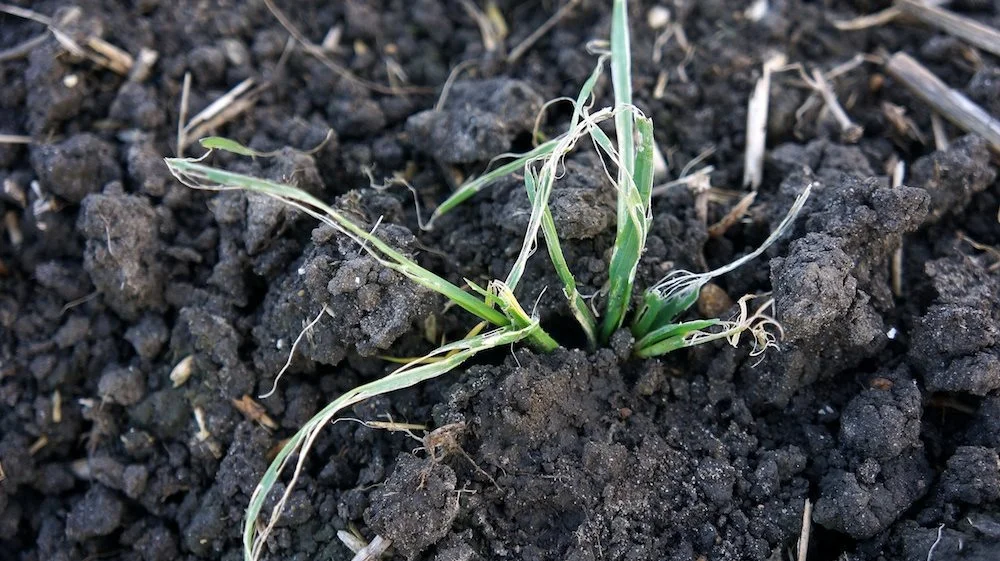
[[201, 176], [577, 305], [658, 310], [301, 442], [621, 80], [634, 198], [469, 189], [672, 337]]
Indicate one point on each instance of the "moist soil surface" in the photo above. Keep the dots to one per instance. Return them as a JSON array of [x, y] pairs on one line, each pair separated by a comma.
[[880, 411]]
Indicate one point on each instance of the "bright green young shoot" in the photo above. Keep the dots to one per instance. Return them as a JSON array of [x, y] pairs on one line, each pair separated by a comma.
[[635, 178], [670, 337], [230, 145]]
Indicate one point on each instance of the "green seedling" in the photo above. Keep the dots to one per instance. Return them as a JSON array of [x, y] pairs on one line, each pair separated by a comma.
[[657, 325]]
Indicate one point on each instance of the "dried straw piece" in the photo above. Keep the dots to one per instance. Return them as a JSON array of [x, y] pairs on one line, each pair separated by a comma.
[[896, 262], [803, 545], [143, 65], [331, 42], [941, 141], [660, 167], [522, 47], [26, 14], [22, 50], [903, 125], [182, 114], [12, 223], [756, 135], [95, 49], [57, 407], [374, 550], [224, 109], [877, 19], [492, 37], [850, 131], [204, 435], [733, 216], [988, 249], [14, 191], [15, 139], [254, 411], [110, 56], [182, 371], [954, 106], [219, 105], [966, 29], [37, 446]]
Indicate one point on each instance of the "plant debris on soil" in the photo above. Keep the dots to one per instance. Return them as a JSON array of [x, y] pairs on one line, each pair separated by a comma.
[[141, 322]]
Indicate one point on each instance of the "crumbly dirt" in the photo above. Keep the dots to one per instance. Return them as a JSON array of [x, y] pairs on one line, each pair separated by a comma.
[[881, 407]]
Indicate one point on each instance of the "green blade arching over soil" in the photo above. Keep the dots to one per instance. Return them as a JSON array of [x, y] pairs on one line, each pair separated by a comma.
[[301, 442], [467, 190], [202, 176], [470, 188]]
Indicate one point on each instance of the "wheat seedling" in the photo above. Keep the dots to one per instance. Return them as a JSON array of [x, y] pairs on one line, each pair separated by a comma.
[[655, 325]]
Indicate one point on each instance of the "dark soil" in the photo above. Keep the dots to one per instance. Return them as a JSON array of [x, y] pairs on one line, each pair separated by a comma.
[[881, 408]]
